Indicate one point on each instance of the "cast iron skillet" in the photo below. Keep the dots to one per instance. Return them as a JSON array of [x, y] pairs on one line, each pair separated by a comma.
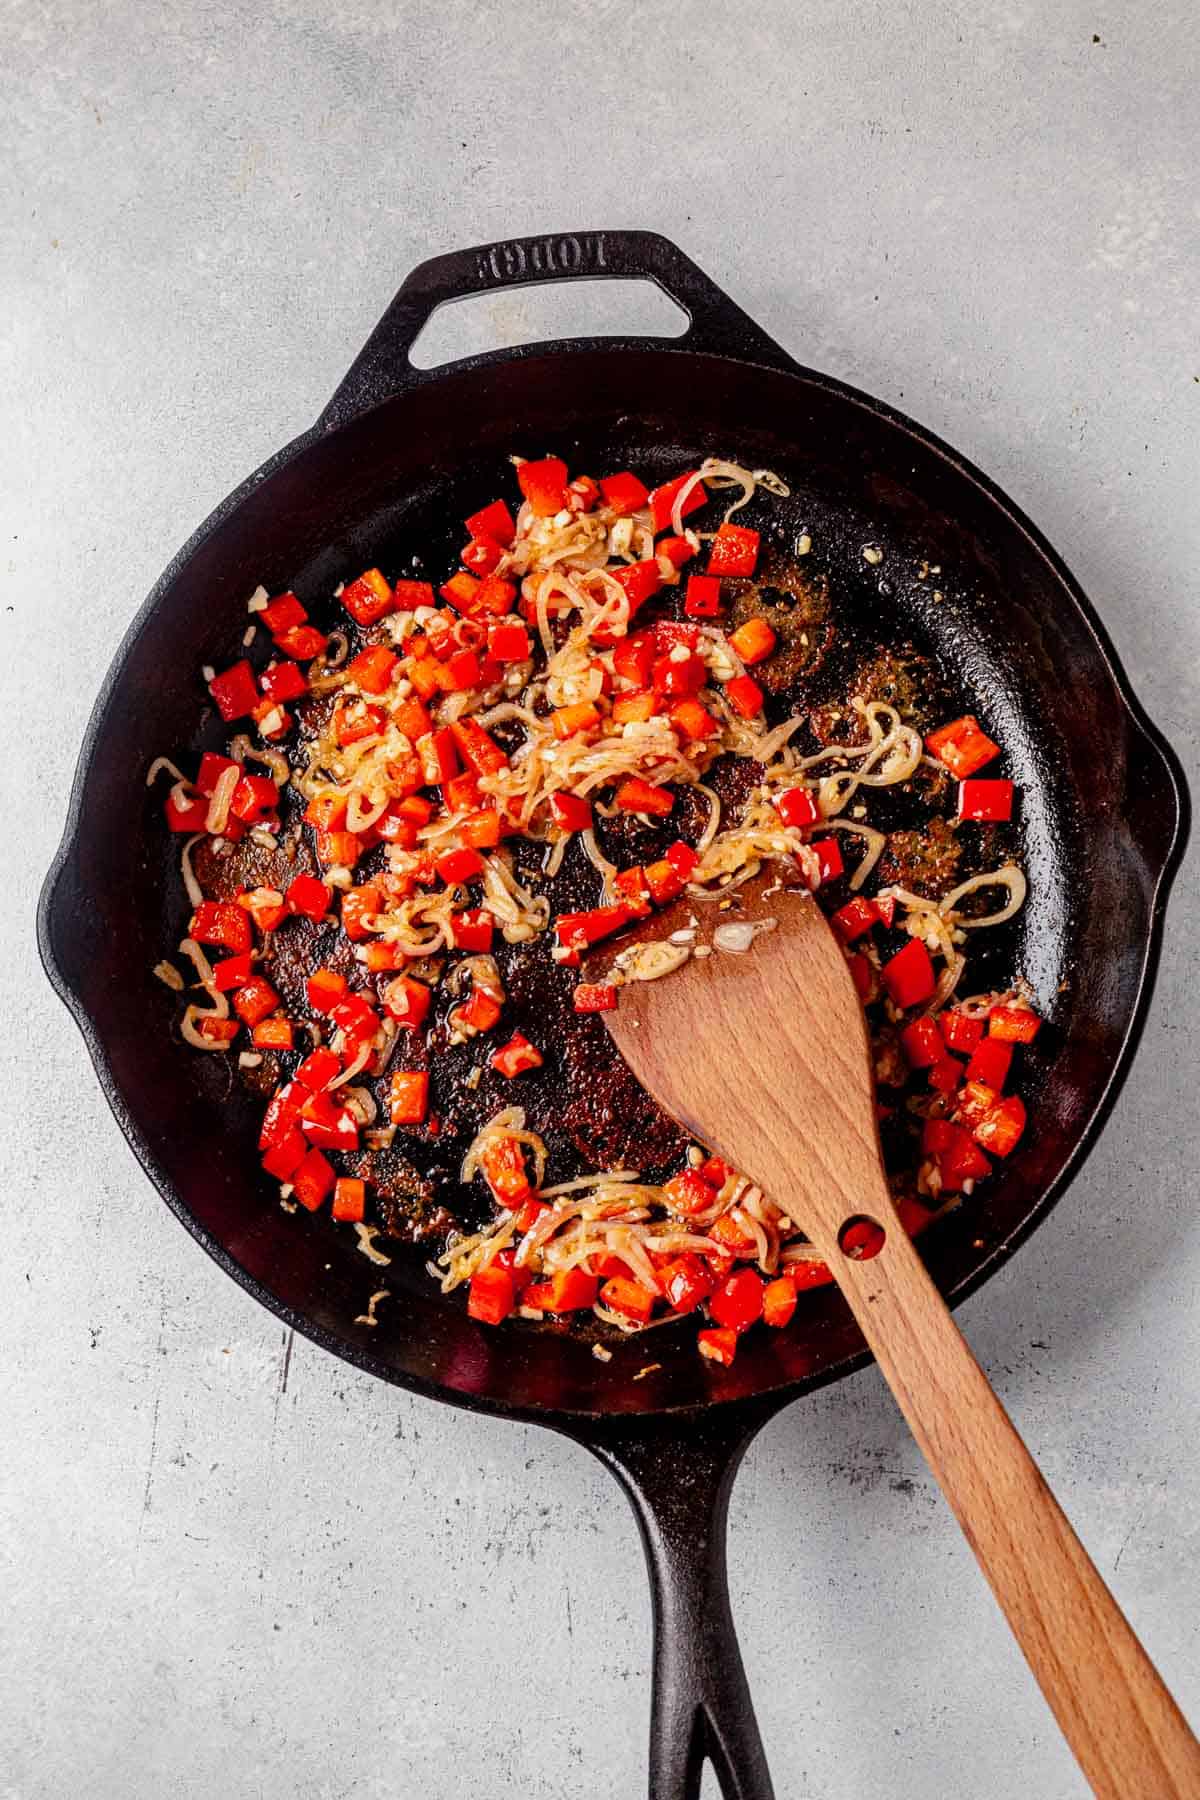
[[393, 465]]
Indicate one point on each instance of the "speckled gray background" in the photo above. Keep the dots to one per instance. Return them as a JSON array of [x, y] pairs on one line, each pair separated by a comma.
[[229, 1575]]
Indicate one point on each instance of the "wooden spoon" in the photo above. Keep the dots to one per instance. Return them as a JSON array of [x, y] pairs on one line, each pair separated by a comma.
[[763, 1056]]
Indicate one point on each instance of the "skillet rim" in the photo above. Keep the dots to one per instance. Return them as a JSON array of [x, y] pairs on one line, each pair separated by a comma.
[[767, 1400]]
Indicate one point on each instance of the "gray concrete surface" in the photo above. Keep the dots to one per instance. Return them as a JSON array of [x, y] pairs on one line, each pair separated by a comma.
[[228, 1575]]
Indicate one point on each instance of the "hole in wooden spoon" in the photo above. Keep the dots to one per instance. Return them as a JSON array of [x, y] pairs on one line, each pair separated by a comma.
[[861, 1238]]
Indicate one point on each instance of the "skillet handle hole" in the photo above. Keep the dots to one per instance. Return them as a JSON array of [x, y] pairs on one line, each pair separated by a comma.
[[502, 319]]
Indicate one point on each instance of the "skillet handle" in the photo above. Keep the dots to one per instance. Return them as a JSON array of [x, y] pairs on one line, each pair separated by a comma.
[[383, 367], [678, 1483]]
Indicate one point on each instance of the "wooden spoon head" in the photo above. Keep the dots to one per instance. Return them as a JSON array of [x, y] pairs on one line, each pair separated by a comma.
[[763, 1055]]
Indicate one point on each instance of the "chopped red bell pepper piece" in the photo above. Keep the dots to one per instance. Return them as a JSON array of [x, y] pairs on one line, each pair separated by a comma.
[[985, 800], [407, 1001], [798, 808], [753, 641], [472, 929], [492, 1294], [494, 521], [481, 556], [990, 1063], [960, 1031], [716, 1171], [999, 1130], [937, 1135], [679, 674], [459, 865], [688, 1193], [779, 1301], [633, 658], [328, 1125], [187, 813], [509, 643], [222, 922], [463, 671], [677, 550], [734, 551], [634, 890], [439, 757], [359, 907], [284, 1158], [703, 597], [479, 1013], [233, 972], [481, 830], [349, 1199], [945, 1074], [325, 989], [319, 1068], [810, 1273], [718, 1344], [503, 1164], [313, 1180], [908, 976], [479, 751], [274, 1034], [624, 493], [408, 1096], [738, 1301], [922, 1044], [254, 797], [683, 859], [409, 595], [692, 719], [544, 485], [373, 668], [962, 1161], [862, 1240], [569, 812], [515, 1057], [638, 707], [974, 1103], [570, 1290], [462, 591], [854, 919], [309, 896], [663, 882], [637, 796], [576, 931], [303, 642], [211, 769], [254, 1000], [592, 997], [685, 1282], [284, 681], [662, 500], [283, 613], [235, 691], [628, 1298], [368, 599], [1013, 1024], [640, 581], [495, 597], [745, 696], [828, 853], [962, 746], [567, 720]]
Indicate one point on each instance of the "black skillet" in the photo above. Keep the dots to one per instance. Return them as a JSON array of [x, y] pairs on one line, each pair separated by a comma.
[[396, 461]]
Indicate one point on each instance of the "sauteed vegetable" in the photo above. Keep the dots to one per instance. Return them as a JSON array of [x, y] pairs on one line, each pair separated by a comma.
[[430, 813]]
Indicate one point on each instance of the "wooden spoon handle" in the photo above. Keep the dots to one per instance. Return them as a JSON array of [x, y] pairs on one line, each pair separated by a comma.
[[1124, 1727]]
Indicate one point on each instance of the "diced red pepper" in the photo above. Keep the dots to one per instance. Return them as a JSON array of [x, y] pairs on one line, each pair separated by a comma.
[[459, 865], [254, 1000], [568, 720], [679, 674], [663, 882], [688, 1193], [368, 599], [733, 1237], [960, 1031], [408, 1096], [472, 929], [349, 1199], [962, 1161], [677, 550], [284, 1158], [937, 1135], [186, 813], [303, 642], [798, 808], [922, 1044], [810, 1273], [675, 634], [479, 1013], [962, 746], [624, 493], [283, 613], [634, 890], [985, 800], [683, 859], [1013, 1024], [738, 1301], [718, 1345], [495, 597], [380, 958], [282, 1114], [328, 1125], [479, 751], [570, 1290], [745, 696], [544, 485], [635, 708], [629, 1298], [734, 551], [855, 918], [990, 1063], [284, 681], [908, 976], [462, 591], [494, 521], [491, 1295], [703, 597], [320, 1067], [716, 1171], [863, 976], [633, 658], [509, 643], [218, 1031], [693, 720], [235, 691], [481, 830], [359, 907], [593, 997], [211, 769], [828, 853], [313, 1180], [354, 720], [999, 1130], [685, 1282], [945, 1074], [407, 1001], [637, 796], [662, 500], [503, 1163], [516, 1057], [309, 896], [233, 972], [409, 595], [373, 668], [481, 556], [439, 756], [274, 1034], [576, 931], [779, 1301], [569, 812], [463, 672], [974, 1103], [254, 797], [640, 581], [582, 494], [222, 922], [338, 849], [753, 641]]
